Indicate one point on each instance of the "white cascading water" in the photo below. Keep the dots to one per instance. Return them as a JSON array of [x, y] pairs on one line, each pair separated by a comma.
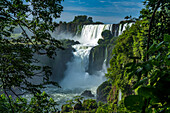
[[105, 62], [76, 75], [122, 27], [92, 33]]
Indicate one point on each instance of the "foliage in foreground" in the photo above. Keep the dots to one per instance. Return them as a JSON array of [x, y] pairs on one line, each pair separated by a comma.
[[38, 104], [18, 66], [79, 105], [140, 65]]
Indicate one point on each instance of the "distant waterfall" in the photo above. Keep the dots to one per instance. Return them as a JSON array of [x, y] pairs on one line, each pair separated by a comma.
[[120, 96], [122, 27], [92, 33], [105, 61]]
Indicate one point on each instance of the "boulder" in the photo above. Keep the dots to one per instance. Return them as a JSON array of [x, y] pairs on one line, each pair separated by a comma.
[[87, 93], [103, 91]]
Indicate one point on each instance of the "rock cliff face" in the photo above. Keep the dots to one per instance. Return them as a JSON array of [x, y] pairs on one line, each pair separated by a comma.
[[59, 63], [98, 55], [96, 59], [67, 28]]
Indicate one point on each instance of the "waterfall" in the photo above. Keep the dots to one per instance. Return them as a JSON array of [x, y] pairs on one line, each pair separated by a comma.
[[92, 33], [76, 75], [122, 27], [120, 95], [105, 62], [116, 31]]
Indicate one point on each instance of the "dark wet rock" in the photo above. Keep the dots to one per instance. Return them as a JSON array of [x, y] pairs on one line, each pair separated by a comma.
[[87, 93], [78, 106], [96, 59], [103, 91]]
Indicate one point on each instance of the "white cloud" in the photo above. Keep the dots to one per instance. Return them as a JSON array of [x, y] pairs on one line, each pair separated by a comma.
[[80, 2], [139, 4], [102, 1], [114, 12], [72, 1], [70, 8]]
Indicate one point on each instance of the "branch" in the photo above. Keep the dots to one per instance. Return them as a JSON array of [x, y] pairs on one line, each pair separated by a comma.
[[15, 94], [150, 28], [26, 34], [9, 100]]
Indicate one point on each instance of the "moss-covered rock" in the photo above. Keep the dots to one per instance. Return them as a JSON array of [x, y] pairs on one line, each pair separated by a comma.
[[99, 53], [66, 108], [103, 91], [90, 104], [106, 34], [68, 43], [78, 106]]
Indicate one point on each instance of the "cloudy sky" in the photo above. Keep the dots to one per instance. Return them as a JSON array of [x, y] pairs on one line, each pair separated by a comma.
[[107, 11]]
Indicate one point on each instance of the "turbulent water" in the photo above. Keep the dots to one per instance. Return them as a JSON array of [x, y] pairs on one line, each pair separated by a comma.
[[76, 75], [76, 78]]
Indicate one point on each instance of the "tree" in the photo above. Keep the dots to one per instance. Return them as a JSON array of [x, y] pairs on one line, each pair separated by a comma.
[[153, 72], [141, 60], [36, 19]]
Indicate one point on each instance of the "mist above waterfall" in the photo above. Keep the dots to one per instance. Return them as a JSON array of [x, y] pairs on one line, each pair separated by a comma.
[[76, 75]]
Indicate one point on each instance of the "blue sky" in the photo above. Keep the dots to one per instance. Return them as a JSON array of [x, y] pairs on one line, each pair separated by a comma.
[[107, 11]]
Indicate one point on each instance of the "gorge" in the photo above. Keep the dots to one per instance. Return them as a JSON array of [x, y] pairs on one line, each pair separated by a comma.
[[83, 64]]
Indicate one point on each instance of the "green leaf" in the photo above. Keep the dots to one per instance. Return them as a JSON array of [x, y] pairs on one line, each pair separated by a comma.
[[134, 103], [148, 67], [152, 48], [167, 38], [141, 82], [159, 46], [146, 92]]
